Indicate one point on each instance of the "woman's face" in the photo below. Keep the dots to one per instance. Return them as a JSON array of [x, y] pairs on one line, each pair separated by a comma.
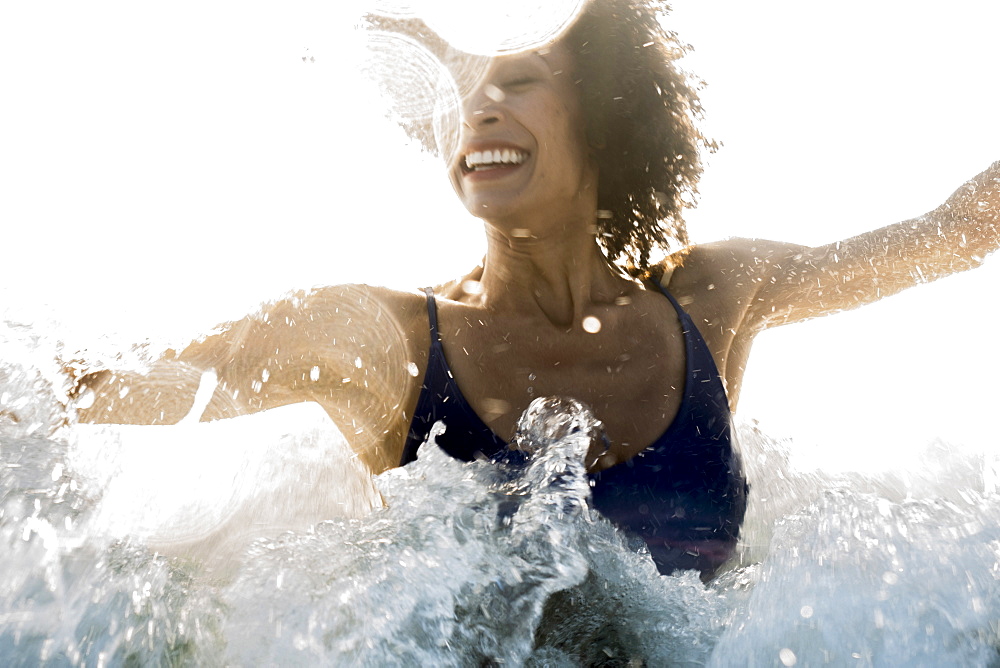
[[522, 146]]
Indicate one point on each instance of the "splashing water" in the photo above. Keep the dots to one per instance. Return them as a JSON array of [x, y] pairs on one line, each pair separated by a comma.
[[425, 90], [259, 540], [400, 65], [489, 28]]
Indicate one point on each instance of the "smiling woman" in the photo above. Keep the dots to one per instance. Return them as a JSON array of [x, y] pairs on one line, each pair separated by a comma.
[[638, 111], [578, 157]]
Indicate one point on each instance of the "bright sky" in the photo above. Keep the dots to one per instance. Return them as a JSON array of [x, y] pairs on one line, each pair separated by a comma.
[[165, 166]]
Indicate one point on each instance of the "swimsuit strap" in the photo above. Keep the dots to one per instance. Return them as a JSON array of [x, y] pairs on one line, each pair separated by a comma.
[[685, 319], [441, 399], [701, 366], [432, 316]]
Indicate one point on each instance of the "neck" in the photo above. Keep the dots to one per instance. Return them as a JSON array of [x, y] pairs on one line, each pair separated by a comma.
[[558, 277]]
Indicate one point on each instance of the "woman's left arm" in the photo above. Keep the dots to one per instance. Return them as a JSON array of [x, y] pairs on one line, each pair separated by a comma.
[[795, 283]]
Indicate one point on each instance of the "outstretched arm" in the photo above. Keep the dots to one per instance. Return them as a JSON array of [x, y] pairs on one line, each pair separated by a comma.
[[233, 360], [348, 348], [794, 283]]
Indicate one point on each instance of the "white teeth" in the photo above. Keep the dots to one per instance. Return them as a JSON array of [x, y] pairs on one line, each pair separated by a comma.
[[488, 159]]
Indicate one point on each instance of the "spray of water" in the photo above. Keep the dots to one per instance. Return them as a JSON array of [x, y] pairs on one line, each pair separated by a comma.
[[259, 540], [489, 28], [425, 89]]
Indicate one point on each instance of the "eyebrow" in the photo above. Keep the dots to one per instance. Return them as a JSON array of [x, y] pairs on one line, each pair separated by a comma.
[[535, 60]]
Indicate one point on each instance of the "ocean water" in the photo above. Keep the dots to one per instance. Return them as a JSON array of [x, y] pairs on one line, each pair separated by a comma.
[[259, 541]]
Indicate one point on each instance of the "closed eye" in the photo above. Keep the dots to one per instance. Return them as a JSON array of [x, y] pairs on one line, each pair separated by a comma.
[[515, 83]]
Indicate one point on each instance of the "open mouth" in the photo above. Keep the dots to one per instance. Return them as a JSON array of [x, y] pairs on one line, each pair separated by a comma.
[[482, 161]]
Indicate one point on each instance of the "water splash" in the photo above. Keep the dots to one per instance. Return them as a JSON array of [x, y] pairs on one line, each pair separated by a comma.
[[857, 577], [507, 538], [489, 28], [204, 491], [480, 562], [423, 90], [425, 87]]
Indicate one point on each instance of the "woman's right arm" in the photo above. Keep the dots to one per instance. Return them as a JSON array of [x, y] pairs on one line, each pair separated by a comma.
[[352, 349]]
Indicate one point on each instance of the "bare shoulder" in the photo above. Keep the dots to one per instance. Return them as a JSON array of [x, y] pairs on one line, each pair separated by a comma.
[[351, 305], [735, 261], [358, 302], [317, 327], [719, 282]]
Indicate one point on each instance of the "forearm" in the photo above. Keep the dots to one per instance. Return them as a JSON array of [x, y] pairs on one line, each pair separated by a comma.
[[165, 394], [956, 236], [798, 284]]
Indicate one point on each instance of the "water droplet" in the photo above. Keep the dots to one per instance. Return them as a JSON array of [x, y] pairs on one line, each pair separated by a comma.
[[787, 657], [494, 93], [532, 376], [623, 301], [591, 324], [806, 611], [412, 369], [471, 287], [357, 362], [495, 406], [314, 374], [86, 400], [265, 375]]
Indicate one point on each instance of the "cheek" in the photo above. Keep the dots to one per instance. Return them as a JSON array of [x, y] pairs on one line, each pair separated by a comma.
[[567, 124], [572, 138], [561, 133]]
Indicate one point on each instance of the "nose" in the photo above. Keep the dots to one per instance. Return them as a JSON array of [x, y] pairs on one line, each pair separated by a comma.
[[484, 107]]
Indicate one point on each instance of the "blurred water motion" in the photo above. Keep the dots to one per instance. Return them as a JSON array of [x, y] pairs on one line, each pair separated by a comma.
[[488, 28], [421, 89], [424, 87], [205, 490]]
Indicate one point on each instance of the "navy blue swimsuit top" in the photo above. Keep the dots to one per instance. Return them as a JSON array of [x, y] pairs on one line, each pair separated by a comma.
[[684, 495]]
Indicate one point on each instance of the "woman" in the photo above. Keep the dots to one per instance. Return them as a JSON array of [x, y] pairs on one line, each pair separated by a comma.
[[579, 158]]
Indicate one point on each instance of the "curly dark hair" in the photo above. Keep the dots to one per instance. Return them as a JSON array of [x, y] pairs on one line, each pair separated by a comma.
[[640, 111]]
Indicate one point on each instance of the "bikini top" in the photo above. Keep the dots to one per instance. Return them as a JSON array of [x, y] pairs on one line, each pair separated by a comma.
[[684, 495]]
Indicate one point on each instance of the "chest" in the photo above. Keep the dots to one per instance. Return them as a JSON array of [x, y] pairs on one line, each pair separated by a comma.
[[631, 370]]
